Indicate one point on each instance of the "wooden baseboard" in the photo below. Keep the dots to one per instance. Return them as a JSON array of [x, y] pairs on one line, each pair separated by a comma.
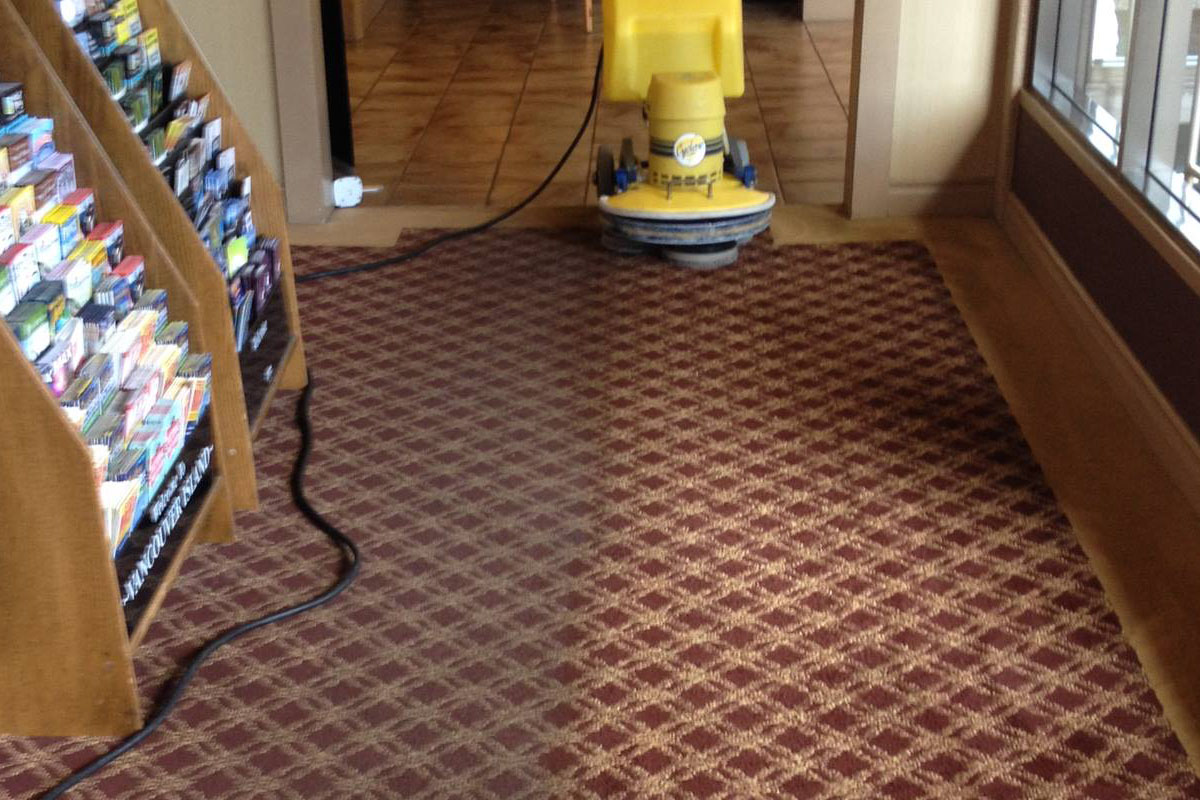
[[1148, 574], [1170, 437]]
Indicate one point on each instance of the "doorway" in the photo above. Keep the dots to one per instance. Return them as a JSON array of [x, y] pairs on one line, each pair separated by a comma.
[[472, 103]]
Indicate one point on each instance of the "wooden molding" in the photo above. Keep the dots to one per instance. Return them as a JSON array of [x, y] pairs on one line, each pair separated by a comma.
[[303, 110], [1167, 433], [872, 107], [1019, 22], [1149, 576]]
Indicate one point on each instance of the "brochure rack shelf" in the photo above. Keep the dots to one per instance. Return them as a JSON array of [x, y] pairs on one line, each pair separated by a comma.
[[66, 663], [171, 222]]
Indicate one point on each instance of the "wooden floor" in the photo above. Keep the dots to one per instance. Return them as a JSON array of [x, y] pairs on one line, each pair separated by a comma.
[[472, 102]]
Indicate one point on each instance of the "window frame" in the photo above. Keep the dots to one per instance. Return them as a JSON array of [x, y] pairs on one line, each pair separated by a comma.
[[1142, 152]]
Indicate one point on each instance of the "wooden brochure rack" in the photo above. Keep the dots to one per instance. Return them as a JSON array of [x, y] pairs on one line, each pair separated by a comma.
[[66, 658], [281, 361]]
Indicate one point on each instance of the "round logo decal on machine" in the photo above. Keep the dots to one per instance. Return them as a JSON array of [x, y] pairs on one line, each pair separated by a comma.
[[690, 149]]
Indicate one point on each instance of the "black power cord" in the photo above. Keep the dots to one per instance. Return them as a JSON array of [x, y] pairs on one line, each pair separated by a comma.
[[462, 233], [349, 550], [174, 694]]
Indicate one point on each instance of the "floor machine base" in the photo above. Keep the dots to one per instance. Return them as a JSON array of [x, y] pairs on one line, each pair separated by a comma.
[[697, 243], [699, 228], [700, 257]]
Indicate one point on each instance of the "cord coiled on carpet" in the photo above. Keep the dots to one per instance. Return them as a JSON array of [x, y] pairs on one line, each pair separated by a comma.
[[352, 563], [349, 550]]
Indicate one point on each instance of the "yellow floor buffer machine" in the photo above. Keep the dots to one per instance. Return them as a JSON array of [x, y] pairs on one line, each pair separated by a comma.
[[694, 198]]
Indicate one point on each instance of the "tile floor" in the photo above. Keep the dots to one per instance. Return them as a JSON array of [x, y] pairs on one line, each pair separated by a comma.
[[472, 102]]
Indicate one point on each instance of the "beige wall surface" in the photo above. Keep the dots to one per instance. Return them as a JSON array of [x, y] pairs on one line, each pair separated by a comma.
[[946, 122], [235, 37], [828, 10], [928, 105]]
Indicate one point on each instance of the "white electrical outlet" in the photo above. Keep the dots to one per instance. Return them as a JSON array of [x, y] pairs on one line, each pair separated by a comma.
[[348, 191]]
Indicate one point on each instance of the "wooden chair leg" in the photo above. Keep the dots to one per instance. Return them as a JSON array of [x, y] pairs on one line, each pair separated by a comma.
[[587, 14]]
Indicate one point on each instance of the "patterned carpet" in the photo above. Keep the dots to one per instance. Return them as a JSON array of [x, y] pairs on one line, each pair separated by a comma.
[[643, 533]]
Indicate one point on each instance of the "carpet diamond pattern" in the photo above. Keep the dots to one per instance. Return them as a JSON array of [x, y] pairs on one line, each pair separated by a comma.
[[636, 532]]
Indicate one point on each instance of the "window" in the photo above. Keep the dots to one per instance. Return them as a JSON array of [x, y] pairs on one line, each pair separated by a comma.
[[1089, 55], [1126, 74]]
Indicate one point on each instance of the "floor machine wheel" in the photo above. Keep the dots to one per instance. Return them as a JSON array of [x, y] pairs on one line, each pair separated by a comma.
[[606, 171], [739, 157], [629, 161]]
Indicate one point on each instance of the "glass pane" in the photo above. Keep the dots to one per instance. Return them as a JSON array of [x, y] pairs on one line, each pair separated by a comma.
[[1107, 51], [1175, 102]]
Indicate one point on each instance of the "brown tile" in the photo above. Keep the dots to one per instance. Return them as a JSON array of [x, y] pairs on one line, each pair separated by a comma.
[[382, 172], [575, 57], [744, 110], [539, 141], [814, 192], [407, 65], [518, 12], [498, 57], [391, 87], [558, 38], [559, 83], [464, 110], [439, 170], [455, 138], [420, 49], [383, 151], [438, 194], [361, 79], [619, 115], [387, 31], [362, 57], [795, 125], [488, 81], [510, 31], [386, 122], [414, 108], [441, 33], [552, 111], [760, 149], [559, 193], [794, 81], [809, 169], [815, 96], [790, 149], [525, 166]]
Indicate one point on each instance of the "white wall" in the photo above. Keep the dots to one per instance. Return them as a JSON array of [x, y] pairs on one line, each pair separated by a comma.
[[929, 103], [827, 10], [235, 37], [946, 124]]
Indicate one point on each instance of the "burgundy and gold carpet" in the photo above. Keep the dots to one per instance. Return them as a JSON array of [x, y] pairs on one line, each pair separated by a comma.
[[636, 532]]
